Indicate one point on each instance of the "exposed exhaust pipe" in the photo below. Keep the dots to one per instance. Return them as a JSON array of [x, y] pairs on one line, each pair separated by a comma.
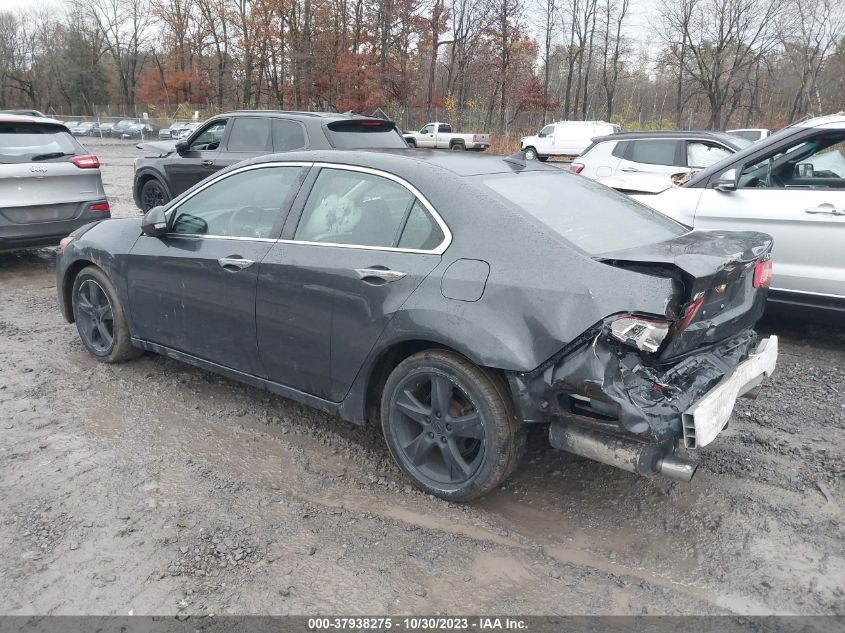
[[635, 457]]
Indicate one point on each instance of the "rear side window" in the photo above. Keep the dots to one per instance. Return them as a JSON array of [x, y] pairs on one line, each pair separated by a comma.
[[287, 135], [620, 149], [654, 152], [24, 142], [364, 133], [591, 216], [250, 135], [361, 209]]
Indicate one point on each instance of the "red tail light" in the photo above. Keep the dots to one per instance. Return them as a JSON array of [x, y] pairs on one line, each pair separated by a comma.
[[576, 168], [691, 311], [763, 273], [100, 206], [88, 161]]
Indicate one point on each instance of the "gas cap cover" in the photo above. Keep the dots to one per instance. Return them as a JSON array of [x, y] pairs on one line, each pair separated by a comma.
[[465, 279]]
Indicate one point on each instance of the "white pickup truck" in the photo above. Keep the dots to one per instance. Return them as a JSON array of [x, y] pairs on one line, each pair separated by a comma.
[[440, 136]]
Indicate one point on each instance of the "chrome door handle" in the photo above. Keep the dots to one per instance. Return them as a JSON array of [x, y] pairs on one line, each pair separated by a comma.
[[207, 163], [825, 209], [380, 273], [630, 169], [236, 262]]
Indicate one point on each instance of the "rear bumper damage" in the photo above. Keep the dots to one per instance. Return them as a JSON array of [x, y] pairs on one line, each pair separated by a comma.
[[606, 403]]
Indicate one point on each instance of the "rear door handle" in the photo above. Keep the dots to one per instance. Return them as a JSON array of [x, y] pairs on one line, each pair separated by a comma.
[[231, 263], [380, 273], [207, 163], [825, 209], [630, 169]]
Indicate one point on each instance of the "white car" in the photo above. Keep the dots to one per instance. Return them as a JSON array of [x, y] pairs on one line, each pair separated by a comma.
[[635, 156], [790, 185], [752, 134], [565, 138]]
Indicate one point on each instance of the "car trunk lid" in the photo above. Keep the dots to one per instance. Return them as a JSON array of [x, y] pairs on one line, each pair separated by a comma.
[[45, 191], [716, 269]]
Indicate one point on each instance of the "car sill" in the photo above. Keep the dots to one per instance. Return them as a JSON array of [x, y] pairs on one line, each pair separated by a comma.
[[326, 406]]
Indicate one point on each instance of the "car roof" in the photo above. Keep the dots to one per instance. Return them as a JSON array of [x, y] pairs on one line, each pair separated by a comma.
[[410, 160], [668, 134], [301, 114], [25, 118]]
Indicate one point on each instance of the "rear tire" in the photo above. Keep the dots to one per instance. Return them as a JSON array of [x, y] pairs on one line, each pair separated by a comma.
[[530, 153], [100, 319], [542, 159], [450, 425], [458, 147], [153, 194]]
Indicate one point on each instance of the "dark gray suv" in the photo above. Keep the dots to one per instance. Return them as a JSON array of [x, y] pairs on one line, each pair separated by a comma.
[[229, 138], [49, 184]]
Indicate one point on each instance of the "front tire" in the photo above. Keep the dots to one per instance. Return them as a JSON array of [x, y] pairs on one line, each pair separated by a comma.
[[153, 194], [450, 425], [100, 319], [530, 153]]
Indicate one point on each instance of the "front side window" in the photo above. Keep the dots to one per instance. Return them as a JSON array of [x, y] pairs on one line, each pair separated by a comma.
[[653, 152], [355, 208], [589, 215], [250, 134], [245, 204], [818, 162], [703, 154], [549, 130], [428, 129], [209, 139]]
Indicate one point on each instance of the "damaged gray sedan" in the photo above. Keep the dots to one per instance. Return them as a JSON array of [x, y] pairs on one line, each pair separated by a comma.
[[453, 300]]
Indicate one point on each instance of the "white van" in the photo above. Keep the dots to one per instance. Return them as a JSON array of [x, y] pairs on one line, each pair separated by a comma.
[[565, 138]]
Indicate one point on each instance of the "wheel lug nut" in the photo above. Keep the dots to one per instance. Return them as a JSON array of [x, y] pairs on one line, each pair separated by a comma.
[[443, 438], [430, 434], [427, 420], [448, 427], [438, 414]]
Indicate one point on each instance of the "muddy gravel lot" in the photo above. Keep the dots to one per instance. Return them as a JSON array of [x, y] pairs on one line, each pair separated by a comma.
[[156, 488]]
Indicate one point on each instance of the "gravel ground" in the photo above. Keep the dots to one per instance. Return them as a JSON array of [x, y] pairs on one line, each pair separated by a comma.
[[157, 488]]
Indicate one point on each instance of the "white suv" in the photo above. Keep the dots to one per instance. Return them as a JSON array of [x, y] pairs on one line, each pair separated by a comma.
[[635, 156]]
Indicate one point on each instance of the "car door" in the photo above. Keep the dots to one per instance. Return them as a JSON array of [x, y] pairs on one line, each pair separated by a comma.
[[426, 137], [545, 141], [248, 137], [795, 192], [651, 157], [362, 242], [193, 289], [199, 159]]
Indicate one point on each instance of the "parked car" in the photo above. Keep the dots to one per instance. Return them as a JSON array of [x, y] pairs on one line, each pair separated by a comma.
[[139, 130], [440, 136], [230, 138], [752, 134], [565, 138], [87, 128], [49, 184], [637, 155], [121, 126], [790, 185], [188, 129], [168, 133], [105, 130], [402, 289]]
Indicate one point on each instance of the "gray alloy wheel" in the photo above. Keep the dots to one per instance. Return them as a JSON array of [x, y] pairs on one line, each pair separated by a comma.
[[99, 317], [530, 153], [450, 426], [153, 194]]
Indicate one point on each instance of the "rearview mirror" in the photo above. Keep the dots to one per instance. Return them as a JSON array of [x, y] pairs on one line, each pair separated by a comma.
[[181, 148], [154, 222], [727, 181]]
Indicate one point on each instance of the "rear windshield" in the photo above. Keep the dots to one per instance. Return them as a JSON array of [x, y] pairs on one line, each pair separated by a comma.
[[593, 217], [364, 134], [21, 142]]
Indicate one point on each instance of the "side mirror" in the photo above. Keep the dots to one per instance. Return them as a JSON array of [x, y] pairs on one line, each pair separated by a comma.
[[181, 148], [727, 181], [805, 170], [154, 222]]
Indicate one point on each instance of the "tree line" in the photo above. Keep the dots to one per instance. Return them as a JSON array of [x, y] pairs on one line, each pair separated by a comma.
[[508, 63]]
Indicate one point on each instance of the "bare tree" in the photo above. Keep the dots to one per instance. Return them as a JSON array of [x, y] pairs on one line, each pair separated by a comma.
[[615, 12]]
